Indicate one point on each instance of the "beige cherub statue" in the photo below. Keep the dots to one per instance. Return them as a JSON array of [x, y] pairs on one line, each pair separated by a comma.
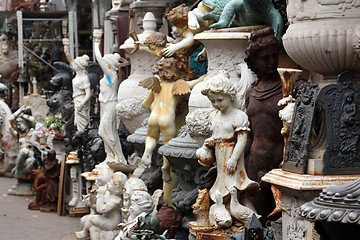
[[169, 87], [225, 147]]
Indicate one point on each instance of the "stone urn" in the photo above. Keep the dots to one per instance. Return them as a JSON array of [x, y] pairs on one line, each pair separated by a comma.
[[130, 95], [225, 51], [324, 35]]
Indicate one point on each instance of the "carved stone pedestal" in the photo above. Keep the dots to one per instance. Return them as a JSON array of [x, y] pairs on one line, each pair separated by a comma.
[[296, 190], [22, 188], [75, 207]]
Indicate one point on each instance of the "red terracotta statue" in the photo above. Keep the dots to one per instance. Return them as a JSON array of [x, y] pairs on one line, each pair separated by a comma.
[[46, 185]]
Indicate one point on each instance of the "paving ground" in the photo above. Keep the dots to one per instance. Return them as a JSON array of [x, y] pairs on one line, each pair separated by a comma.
[[19, 223]]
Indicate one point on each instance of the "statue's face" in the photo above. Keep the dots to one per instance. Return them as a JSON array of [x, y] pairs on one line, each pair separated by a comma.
[[22, 126], [156, 50], [219, 101], [267, 60]]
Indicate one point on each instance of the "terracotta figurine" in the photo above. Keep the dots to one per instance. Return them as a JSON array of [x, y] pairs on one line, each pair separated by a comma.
[[47, 186]]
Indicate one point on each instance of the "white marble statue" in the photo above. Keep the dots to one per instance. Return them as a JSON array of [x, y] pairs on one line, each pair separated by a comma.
[[81, 87], [103, 224], [229, 134], [109, 85], [118, 5]]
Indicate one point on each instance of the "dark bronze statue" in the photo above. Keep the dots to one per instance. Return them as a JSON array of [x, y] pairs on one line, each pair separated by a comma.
[[265, 143]]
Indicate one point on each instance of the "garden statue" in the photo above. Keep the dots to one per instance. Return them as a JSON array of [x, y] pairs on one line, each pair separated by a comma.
[[81, 87], [118, 5], [109, 85], [47, 185], [137, 202], [230, 127], [265, 143], [102, 225], [21, 123], [166, 100], [245, 13], [187, 23]]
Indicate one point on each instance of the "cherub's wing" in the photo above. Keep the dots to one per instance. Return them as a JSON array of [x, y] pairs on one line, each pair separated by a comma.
[[181, 88], [151, 83]]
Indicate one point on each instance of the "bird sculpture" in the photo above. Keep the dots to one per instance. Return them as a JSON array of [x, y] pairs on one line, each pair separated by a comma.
[[238, 211]]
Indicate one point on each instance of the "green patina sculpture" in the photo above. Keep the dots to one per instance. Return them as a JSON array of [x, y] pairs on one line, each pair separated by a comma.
[[244, 13]]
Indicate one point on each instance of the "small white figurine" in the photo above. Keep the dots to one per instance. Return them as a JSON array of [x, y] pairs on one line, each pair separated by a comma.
[[81, 87], [108, 199], [229, 134]]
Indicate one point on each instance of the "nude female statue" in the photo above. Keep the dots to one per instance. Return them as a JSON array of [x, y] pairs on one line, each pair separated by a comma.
[[81, 87]]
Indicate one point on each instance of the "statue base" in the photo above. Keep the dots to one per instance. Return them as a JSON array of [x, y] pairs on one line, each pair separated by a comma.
[[22, 188], [78, 211], [221, 234], [297, 189]]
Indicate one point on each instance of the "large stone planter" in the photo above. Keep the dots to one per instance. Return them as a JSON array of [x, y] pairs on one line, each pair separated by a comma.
[[225, 51], [130, 94], [324, 35]]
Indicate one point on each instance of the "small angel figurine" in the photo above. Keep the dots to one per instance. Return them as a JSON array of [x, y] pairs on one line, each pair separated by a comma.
[[103, 224], [226, 145], [81, 87], [188, 23]]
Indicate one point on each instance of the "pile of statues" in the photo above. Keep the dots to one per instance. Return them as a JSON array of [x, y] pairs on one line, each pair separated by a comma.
[[217, 192]]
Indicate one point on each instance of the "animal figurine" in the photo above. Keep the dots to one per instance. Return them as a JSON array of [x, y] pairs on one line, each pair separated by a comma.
[[237, 210], [218, 214], [245, 13], [201, 208]]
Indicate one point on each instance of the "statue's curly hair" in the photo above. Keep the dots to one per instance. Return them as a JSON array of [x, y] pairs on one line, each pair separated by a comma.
[[178, 16], [158, 39], [259, 40]]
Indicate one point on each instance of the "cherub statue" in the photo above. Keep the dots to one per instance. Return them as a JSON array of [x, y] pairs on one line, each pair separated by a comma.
[[103, 224], [109, 85], [169, 87], [137, 203], [187, 23], [81, 87], [226, 145]]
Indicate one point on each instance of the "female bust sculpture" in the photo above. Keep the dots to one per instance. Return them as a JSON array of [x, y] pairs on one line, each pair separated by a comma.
[[81, 87]]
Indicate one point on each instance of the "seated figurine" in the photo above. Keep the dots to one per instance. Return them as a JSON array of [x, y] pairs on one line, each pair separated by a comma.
[[102, 225], [46, 185]]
